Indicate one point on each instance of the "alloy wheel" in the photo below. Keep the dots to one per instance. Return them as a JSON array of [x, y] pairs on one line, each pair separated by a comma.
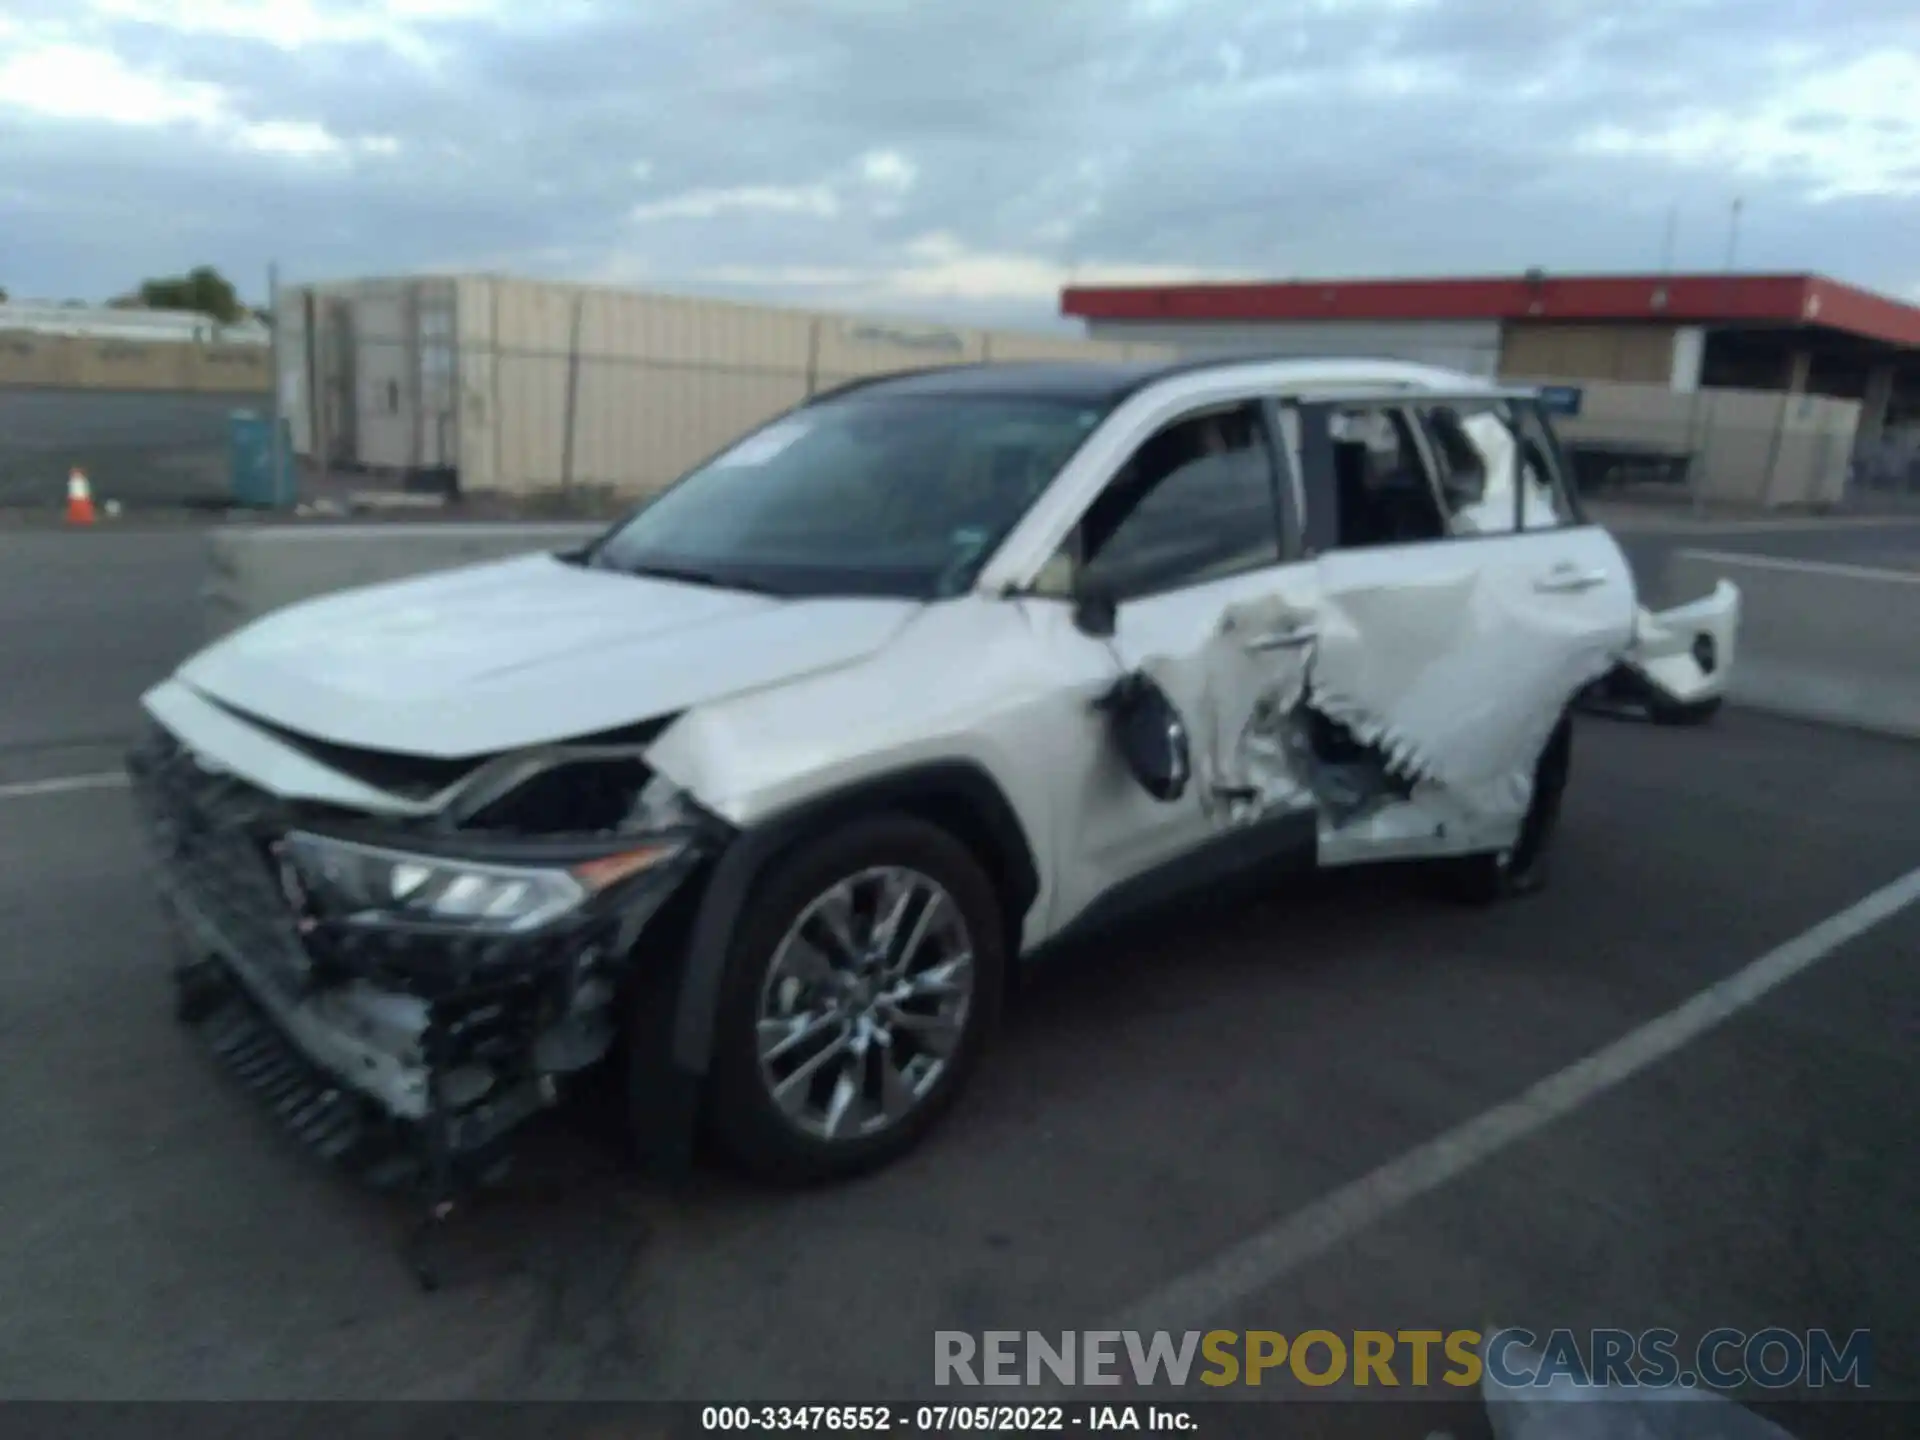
[[865, 1002]]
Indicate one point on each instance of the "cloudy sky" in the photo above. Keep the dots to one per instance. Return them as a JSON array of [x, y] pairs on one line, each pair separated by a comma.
[[957, 158]]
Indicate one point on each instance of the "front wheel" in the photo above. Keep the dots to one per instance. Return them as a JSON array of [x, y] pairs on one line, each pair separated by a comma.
[[1522, 867], [863, 981]]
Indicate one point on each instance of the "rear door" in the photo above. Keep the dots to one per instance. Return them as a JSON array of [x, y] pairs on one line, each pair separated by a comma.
[[1464, 599]]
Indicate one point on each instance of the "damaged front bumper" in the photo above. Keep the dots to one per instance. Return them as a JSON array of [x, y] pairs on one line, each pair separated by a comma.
[[1680, 663], [389, 1043]]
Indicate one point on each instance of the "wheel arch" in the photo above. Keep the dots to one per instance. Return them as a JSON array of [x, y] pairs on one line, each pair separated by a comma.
[[958, 796]]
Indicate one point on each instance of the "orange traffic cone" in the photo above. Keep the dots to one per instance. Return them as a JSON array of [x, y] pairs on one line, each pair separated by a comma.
[[79, 499]]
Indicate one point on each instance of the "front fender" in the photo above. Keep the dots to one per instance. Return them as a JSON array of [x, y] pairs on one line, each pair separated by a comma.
[[679, 1004], [674, 1007]]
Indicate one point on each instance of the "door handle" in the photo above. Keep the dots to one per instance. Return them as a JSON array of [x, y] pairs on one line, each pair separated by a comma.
[[1568, 580], [1283, 639]]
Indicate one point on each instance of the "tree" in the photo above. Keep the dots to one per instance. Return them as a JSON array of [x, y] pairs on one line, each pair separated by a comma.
[[202, 289], [3, 294]]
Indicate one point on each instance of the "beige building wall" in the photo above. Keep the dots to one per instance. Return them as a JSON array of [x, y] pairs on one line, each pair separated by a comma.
[[385, 382], [374, 380], [585, 386], [87, 363], [1631, 354], [1751, 447]]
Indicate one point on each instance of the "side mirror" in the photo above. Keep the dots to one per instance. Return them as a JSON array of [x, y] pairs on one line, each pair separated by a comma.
[[1151, 735], [1095, 611]]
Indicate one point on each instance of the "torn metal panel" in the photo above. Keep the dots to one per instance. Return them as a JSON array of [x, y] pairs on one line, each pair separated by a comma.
[[1233, 685], [1348, 777], [1459, 675], [1253, 682], [1409, 711]]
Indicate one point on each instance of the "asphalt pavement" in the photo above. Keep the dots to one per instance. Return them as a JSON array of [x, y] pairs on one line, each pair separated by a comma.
[[1153, 1103], [87, 621], [1880, 543]]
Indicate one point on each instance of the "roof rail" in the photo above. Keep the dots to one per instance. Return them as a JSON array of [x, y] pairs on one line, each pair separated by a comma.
[[861, 382]]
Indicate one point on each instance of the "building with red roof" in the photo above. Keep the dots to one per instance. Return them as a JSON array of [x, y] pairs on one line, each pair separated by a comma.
[[1793, 333]]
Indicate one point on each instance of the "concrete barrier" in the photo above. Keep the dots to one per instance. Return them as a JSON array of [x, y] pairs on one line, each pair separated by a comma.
[[1834, 643], [254, 569]]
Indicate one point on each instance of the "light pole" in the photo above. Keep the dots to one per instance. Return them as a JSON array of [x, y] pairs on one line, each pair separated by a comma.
[[276, 416]]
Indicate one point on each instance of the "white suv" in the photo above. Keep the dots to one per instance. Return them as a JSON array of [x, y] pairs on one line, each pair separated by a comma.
[[767, 791]]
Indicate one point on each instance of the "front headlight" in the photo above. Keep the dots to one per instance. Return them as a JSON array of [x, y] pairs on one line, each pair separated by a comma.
[[366, 884]]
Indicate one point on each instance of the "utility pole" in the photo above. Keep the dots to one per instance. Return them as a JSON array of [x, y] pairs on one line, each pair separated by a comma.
[[276, 417], [1666, 244]]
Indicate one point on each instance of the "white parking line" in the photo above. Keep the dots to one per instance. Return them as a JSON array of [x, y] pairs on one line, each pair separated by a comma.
[[1192, 1300], [62, 785], [1805, 567]]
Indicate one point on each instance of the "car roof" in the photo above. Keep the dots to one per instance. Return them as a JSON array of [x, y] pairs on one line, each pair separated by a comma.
[[1091, 381], [1107, 382]]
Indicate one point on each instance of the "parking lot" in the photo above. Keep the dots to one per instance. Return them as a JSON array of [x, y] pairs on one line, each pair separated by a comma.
[[1152, 1104]]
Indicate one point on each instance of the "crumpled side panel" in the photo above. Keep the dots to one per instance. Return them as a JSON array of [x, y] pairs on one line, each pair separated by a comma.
[[1236, 720], [1237, 700], [1426, 671]]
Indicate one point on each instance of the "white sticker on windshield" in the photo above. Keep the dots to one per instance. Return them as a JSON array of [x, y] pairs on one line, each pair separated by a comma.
[[759, 449]]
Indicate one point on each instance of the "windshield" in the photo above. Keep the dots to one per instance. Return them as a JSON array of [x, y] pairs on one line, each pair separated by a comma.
[[870, 495]]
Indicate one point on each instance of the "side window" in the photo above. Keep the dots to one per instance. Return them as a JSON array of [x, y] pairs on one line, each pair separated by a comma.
[[1195, 503], [1477, 453], [1382, 491], [1546, 491]]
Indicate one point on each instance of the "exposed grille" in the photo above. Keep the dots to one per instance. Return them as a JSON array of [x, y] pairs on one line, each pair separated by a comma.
[[208, 835], [322, 1114], [308, 1101]]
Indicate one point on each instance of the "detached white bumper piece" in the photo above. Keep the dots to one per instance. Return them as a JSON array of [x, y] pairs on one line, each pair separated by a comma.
[[1677, 669]]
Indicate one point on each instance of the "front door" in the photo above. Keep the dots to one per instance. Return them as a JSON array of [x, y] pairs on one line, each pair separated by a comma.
[[1213, 607], [1464, 600]]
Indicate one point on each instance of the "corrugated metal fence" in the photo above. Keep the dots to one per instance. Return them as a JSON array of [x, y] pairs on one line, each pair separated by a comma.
[[527, 388]]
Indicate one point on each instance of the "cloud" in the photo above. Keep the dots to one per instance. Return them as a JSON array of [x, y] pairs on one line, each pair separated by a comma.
[[1833, 134], [888, 170], [815, 200], [72, 82], [951, 159]]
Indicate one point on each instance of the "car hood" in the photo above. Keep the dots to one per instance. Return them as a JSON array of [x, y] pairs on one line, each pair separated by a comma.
[[522, 652]]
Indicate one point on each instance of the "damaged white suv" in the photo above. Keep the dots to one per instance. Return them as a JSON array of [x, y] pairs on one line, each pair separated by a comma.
[[765, 792]]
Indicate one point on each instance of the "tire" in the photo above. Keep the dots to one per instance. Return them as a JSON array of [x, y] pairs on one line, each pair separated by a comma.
[[764, 982], [1670, 713], [1522, 868]]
